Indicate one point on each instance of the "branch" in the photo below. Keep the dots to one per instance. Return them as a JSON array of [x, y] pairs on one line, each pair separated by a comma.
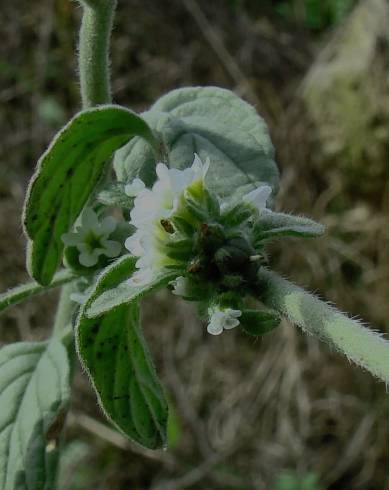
[[363, 346]]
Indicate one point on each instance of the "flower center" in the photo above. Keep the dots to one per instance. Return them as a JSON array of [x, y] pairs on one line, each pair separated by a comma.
[[92, 241]]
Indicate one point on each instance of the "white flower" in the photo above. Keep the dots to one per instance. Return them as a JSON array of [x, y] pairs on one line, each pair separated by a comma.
[[180, 286], [222, 319], [133, 189], [156, 204], [91, 238], [258, 197]]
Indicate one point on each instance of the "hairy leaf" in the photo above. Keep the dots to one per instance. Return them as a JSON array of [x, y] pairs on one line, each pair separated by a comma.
[[67, 174], [273, 225], [114, 289], [214, 123], [20, 293], [114, 353], [34, 393]]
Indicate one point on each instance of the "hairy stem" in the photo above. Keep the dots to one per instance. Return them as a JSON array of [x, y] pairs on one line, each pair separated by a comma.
[[361, 345], [95, 35], [65, 310], [20, 293], [93, 68]]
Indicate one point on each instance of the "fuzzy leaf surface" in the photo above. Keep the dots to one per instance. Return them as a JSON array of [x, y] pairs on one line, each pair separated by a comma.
[[67, 174], [114, 353], [34, 394], [214, 123], [114, 289], [273, 225]]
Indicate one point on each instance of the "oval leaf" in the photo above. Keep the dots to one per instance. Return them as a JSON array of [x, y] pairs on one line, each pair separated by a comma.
[[115, 355], [214, 123], [34, 394], [273, 225], [67, 174]]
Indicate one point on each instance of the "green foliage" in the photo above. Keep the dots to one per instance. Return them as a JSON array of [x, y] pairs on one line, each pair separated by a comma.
[[215, 124], [259, 322], [114, 353], [114, 289], [272, 225], [34, 393], [291, 481], [318, 14], [66, 176]]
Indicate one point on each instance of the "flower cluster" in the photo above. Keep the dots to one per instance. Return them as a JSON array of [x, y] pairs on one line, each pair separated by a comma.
[[179, 224], [151, 215]]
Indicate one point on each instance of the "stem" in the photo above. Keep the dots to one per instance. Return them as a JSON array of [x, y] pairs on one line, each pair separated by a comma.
[[20, 293], [361, 345], [65, 310], [93, 62], [95, 35]]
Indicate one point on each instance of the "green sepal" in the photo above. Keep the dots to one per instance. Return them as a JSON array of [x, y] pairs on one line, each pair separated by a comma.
[[259, 322], [67, 174], [236, 215], [272, 225], [115, 355], [34, 397]]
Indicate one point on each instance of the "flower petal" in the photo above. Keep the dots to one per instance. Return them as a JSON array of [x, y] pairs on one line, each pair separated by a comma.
[[134, 188], [111, 248], [89, 219], [108, 225], [71, 239], [214, 328], [88, 259]]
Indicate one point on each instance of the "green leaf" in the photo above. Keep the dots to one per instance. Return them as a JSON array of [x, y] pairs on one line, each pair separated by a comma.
[[34, 394], [115, 355], [19, 293], [113, 287], [214, 123], [259, 322], [67, 174], [272, 225]]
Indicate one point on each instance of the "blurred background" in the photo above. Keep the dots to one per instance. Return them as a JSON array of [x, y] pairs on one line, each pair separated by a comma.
[[282, 412]]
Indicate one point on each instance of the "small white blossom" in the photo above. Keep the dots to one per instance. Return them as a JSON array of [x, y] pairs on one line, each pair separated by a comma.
[[91, 238], [133, 189], [180, 286], [156, 204], [222, 319], [258, 197]]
